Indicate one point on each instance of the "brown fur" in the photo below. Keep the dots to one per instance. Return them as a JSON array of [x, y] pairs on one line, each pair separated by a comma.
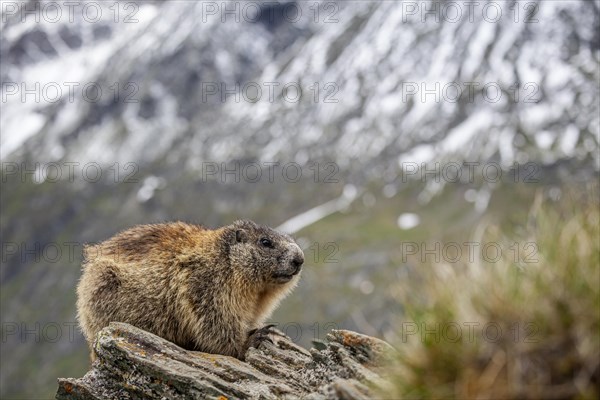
[[199, 288]]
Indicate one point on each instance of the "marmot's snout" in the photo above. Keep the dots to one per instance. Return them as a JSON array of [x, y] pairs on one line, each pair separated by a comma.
[[297, 257], [291, 265]]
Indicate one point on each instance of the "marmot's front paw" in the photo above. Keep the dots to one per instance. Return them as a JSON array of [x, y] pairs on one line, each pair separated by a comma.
[[257, 336]]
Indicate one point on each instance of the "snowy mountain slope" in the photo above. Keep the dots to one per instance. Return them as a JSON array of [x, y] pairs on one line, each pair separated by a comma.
[[377, 79]]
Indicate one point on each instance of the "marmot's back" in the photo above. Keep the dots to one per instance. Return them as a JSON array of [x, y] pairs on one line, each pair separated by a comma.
[[202, 289], [155, 241]]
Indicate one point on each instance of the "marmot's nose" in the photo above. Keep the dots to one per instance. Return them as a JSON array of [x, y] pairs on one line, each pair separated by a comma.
[[298, 260]]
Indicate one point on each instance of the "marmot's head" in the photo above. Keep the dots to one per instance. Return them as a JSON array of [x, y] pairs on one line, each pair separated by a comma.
[[268, 256]]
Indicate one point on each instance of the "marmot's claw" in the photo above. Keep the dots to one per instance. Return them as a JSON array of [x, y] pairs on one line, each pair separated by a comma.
[[257, 336], [265, 328]]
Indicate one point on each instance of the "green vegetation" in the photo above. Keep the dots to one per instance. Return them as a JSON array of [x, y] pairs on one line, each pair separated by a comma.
[[517, 328]]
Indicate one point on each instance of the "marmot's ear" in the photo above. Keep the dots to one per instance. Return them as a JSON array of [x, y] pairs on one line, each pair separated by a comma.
[[241, 236]]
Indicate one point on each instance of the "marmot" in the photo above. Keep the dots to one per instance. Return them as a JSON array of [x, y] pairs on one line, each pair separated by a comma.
[[202, 289]]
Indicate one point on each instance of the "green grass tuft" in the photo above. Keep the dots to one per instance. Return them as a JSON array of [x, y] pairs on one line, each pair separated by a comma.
[[525, 327]]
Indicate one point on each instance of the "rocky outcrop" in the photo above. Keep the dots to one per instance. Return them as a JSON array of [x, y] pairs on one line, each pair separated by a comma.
[[132, 364]]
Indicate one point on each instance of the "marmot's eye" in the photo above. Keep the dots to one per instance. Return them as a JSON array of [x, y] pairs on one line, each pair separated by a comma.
[[266, 242]]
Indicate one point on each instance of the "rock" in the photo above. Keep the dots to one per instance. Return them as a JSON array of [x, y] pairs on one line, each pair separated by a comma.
[[132, 363]]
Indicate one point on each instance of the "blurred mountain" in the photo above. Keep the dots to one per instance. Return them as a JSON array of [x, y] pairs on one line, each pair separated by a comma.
[[154, 93], [376, 79]]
